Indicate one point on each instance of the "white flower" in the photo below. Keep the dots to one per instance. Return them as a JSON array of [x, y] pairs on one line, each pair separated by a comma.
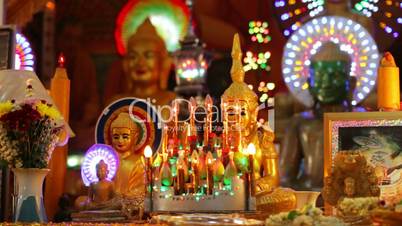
[[303, 220]]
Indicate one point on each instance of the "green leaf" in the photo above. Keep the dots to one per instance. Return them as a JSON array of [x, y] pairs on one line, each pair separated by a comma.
[[293, 214]]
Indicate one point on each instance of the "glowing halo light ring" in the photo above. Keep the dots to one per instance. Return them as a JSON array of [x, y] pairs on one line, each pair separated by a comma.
[[24, 58], [352, 39], [94, 154], [170, 18]]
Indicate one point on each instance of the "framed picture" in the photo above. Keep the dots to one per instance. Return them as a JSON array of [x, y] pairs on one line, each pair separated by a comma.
[[377, 135], [7, 47]]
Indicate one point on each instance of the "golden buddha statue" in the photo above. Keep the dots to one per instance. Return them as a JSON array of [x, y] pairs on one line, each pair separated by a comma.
[[146, 66], [239, 97], [129, 178]]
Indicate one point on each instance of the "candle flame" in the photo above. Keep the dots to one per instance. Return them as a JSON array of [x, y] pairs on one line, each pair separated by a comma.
[[194, 156], [251, 149], [61, 60], [148, 151], [164, 156], [388, 60], [209, 157], [231, 155]]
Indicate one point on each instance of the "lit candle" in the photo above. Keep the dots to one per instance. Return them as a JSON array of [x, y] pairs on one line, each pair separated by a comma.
[[187, 137], [208, 120], [225, 126], [193, 105], [251, 153], [176, 119], [60, 93], [148, 170], [230, 171], [219, 169], [210, 181], [165, 172], [209, 108], [239, 126], [195, 179], [165, 139], [180, 180], [388, 84], [202, 169]]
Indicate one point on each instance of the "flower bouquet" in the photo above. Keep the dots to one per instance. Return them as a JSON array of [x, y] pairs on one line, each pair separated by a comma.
[[29, 131]]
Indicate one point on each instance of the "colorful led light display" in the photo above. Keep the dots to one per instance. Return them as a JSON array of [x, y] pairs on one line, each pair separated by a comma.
[[92, 157], [385, 13], [351, 37], [24, 58], [292, 12]]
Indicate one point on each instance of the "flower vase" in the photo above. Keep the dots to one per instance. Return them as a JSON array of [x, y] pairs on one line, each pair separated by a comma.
[[29, 199]]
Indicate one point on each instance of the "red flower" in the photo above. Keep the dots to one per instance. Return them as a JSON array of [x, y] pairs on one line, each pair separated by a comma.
[[21, 119]]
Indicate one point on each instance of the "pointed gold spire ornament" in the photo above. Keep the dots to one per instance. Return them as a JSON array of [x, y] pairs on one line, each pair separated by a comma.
[[237, 72], [238, 90]]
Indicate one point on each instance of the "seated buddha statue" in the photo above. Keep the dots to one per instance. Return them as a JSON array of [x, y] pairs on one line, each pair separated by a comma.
[[100, 192], [129, 180], [145, 68], [239, 95], [301, 156]]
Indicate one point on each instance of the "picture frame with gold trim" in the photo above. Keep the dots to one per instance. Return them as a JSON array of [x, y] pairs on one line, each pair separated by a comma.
[[377, 135]]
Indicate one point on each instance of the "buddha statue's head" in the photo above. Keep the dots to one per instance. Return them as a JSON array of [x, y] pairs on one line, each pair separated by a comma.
[[239, 97], [329, 75], [124, 132], [146, 61], [101, 170]]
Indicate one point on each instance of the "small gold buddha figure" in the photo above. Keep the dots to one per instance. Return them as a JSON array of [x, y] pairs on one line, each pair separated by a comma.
[[129, 178], [102, 191], [349, 187], [351, 177], [146, 66], [242, 103]]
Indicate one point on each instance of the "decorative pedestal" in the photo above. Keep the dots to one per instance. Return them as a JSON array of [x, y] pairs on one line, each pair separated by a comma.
[[29, 198]]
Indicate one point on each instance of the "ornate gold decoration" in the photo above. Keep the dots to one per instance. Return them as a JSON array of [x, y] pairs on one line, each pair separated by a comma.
[[239, 90], [279, 200], [351, 177]]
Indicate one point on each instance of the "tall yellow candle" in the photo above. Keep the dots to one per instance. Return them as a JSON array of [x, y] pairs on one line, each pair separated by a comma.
[[60, 93], [388, 84]]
